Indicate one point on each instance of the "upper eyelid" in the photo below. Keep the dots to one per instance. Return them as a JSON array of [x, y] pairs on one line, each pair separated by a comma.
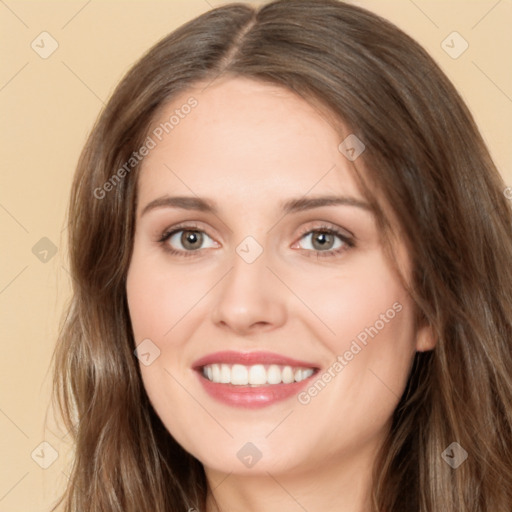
[[329, 226], [185, 227]]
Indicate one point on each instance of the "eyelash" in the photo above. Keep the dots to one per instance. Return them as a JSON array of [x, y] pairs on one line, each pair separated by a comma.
[[324, 229]]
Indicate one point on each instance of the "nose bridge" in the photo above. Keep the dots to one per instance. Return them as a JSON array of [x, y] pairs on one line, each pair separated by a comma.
[[249, 294], [250, 264], [248, 279]]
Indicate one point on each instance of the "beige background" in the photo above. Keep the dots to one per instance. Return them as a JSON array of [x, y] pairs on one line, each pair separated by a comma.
[[47, 108]]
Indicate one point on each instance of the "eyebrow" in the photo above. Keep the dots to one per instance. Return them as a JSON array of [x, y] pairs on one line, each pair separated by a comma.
[[288, 206]]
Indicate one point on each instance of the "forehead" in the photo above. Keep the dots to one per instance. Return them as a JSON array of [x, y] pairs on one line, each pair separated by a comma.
[[244, 138]]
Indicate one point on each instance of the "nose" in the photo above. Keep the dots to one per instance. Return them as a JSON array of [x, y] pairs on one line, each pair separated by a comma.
[[250, 298]]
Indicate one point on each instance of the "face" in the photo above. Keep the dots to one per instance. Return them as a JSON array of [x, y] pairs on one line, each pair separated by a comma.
[[275, 334]]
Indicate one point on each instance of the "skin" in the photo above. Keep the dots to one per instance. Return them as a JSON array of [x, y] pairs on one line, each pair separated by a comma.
[[247, 146]]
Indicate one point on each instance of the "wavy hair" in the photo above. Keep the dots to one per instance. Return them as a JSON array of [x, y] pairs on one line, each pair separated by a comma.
[[424, 155]]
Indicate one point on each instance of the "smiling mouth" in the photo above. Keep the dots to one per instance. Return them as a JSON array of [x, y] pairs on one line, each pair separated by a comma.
[[252, 379], [255, 375]]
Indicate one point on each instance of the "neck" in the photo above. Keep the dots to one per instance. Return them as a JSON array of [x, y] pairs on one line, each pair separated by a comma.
[[333, 485]]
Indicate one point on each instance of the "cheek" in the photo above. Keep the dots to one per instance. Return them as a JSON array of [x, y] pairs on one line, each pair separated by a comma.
[[158, 298], [156, 306], [372, 340], [364, 302]]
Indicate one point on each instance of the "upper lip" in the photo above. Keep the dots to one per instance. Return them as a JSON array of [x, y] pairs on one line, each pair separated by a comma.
[[249, 359]]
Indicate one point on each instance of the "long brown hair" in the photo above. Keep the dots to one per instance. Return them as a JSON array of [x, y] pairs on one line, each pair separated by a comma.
[[423, 154]]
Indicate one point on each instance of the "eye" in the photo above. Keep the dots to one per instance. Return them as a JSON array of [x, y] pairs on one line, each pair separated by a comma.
[[323, 241], [190, 237]]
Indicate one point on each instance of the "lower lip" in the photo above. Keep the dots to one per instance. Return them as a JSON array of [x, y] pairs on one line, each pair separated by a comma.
[[252, 396]]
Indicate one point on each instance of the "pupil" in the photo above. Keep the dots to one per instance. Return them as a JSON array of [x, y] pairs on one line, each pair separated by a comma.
[[189, 238], [323, 239]]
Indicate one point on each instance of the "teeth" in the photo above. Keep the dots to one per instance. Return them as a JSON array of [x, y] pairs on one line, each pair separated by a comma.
[[274, 374], [215, 373], [225, 374], [239, 375], [287, 375], [255, 375]]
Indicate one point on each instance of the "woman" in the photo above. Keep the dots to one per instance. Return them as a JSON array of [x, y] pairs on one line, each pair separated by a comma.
[[290, 250]]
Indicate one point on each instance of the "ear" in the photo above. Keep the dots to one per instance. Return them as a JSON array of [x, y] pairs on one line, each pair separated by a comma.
[[425, 338]]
